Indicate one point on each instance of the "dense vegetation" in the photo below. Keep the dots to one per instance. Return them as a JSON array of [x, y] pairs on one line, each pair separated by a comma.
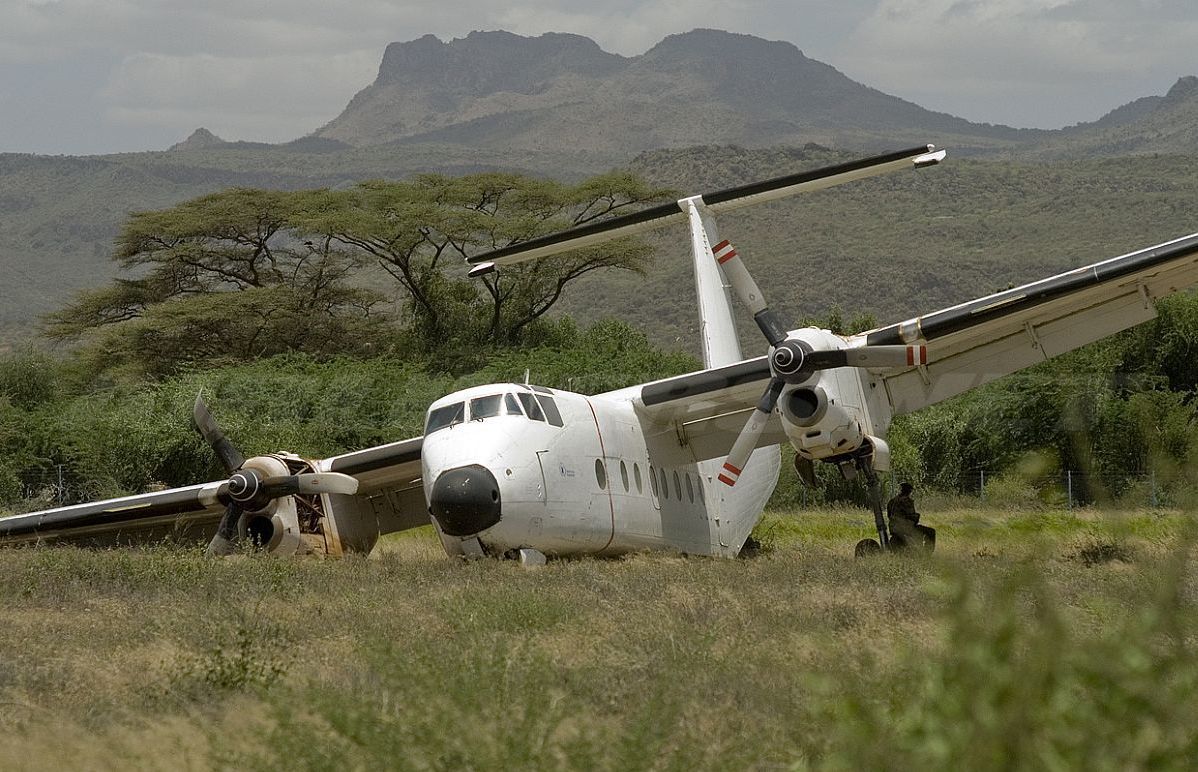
[[59, 426], [1111, 411]]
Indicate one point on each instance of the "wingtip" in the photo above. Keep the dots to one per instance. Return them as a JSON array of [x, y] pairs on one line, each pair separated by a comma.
[[930, 158]]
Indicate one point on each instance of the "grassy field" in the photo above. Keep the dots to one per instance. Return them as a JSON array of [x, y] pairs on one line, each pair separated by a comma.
[[1031, 641]]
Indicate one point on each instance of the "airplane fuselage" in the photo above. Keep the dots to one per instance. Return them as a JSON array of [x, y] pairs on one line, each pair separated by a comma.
[[592, 478]]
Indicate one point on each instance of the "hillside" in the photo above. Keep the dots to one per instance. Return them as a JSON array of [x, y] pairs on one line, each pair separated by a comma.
[[1155, 124], [555, 92]]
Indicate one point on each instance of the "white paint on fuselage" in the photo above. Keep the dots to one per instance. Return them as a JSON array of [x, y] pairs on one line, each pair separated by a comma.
[[606, 482]]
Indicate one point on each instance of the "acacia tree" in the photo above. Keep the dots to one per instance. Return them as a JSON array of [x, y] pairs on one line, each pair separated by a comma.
[[419, 232], [246, 273], [221, 276]]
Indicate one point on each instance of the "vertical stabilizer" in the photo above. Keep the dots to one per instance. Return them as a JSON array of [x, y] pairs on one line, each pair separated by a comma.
[[717, 328]]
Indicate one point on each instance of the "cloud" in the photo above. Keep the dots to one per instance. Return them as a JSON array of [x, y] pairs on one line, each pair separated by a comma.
[[1029, 62]]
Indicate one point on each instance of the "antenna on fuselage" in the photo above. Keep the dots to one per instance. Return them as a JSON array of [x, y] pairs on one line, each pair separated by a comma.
[[527, 374]]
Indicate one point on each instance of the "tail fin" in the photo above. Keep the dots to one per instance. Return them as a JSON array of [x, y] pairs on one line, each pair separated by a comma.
[[717, 330]]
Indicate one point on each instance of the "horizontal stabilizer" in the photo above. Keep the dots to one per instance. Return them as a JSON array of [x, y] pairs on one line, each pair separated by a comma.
[[719, 201]]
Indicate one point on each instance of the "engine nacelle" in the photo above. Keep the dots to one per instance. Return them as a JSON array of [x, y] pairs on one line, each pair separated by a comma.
[[817, 427], [276, 527]]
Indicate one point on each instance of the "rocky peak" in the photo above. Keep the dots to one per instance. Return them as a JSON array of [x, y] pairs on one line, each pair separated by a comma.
[[200, 139], [485, 62], [1183, 90]]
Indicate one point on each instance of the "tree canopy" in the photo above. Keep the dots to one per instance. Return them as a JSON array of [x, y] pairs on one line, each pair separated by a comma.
[[246, 273]]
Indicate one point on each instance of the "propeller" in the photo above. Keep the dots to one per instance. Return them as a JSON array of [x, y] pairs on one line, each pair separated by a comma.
[[791, 360], [247, 489]]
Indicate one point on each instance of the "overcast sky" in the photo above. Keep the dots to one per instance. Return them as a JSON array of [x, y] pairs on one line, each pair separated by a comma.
[[101, 76]]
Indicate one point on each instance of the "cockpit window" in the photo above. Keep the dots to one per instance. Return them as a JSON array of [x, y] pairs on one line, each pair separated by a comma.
[[447, 415], [540, 406], [550, 408], [493, 405], [486, 407], [531, 408]]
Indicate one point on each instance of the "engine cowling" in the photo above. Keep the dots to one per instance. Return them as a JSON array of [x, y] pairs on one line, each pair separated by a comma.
[[817, 427]]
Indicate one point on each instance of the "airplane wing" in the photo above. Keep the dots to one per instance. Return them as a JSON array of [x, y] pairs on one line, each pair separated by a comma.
[[967, 345], [389, 479], [706, 410], [975, 342], [190, 513], [389, 489], [716, 202]]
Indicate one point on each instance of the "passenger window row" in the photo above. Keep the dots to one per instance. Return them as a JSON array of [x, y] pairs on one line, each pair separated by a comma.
[[693, 486]]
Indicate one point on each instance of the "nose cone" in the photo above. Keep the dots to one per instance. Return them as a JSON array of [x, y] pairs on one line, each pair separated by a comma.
[[465, 500]]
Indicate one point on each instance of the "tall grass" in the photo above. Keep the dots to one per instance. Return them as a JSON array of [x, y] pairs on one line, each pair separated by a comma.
[[1006, 651]]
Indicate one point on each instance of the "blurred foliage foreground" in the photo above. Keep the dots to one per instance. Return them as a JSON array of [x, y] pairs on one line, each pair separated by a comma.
[[1016, 647]]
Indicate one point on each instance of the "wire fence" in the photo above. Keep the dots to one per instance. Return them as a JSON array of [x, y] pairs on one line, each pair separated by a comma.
[[1067, 489]]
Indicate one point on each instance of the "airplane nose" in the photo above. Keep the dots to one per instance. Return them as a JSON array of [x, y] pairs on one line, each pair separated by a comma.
[[465, 500]]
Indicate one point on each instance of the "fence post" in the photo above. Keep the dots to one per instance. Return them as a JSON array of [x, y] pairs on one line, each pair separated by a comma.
[[1152, 487], [58, 489], [982, 485], [1069, 489]]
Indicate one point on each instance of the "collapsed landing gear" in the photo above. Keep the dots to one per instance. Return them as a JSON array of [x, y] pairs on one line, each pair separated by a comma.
[[885, 541]]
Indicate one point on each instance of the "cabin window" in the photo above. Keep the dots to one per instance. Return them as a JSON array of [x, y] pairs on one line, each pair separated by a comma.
[[600, 474], [653, 479], [690, 490], [636, 475], [531, 408], [624, 475], [699, 485], [447, 415], [665, 486], [677, 486], [511, 405]]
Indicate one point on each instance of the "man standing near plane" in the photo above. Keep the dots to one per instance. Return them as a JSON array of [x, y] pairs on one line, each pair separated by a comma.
[[904, 521]]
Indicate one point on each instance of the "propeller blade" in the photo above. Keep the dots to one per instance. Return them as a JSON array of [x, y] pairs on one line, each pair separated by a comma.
[[230, 457], [224, 541], [749, 293], [310, 484], [746, 442], [867, 356]]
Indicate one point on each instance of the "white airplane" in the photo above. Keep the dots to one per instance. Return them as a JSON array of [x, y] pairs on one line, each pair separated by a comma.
[[684, 464]]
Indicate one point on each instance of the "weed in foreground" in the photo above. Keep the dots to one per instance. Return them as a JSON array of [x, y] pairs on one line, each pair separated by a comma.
[[1017, 688]]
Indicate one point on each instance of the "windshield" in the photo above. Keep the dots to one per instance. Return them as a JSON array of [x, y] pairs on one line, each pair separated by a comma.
[[493, 405], [447, 415]]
